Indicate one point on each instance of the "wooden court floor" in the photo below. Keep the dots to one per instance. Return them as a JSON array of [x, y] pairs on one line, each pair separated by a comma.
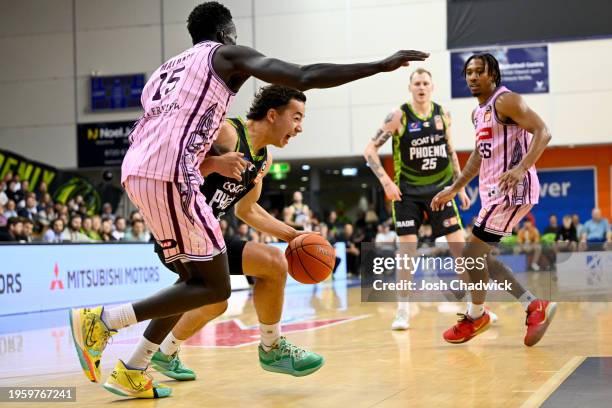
[[367, 365]]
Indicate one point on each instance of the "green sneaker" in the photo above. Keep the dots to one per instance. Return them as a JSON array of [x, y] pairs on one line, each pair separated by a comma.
[[172, 366], [286, 358]]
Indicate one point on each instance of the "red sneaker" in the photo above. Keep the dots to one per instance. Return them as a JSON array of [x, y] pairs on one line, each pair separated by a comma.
[[466, 328], [539, 315]]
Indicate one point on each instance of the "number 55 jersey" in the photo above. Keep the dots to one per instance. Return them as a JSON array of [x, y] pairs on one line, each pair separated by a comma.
[[502, 146], [184, 104]]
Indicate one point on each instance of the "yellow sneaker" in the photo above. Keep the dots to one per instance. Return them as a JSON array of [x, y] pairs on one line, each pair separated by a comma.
[[90, 336], [135, 383]]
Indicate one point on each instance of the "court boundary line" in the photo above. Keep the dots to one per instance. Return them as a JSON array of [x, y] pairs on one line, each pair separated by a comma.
[[541, 394]]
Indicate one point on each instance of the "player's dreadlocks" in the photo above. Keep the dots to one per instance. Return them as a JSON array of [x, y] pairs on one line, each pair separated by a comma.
[[491, 64], [272, 97], [206, 20]]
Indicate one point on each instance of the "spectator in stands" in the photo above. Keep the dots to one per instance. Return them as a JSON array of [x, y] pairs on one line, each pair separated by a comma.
[[83, 211], [567, 237], [323, 229], [74, 233], [42, 190], [14, 230], [352, 248], [297, 214], [88, 229], [30, 210], [44, 201], [529, 242], [96, 226], [385, 234], [25, 186], [577, 225], [3, 218], [28, 231], [11, 209], [135, 215], [3, 197], [107, 212], [106, 229], [14, 192], [334, 225], [553, 225], [242, 233], [137, 233], [595, 230], [120, 228], [55, 234]]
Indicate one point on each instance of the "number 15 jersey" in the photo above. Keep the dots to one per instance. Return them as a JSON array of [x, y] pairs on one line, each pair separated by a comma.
[[184, 104], [502, 146]]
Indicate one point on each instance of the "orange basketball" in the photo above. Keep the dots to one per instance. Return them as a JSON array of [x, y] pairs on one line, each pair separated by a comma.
[[311, 258]]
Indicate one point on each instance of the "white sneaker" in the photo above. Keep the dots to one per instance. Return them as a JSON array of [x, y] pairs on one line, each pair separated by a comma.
[[492, 316], [401, 321], [535, 266]]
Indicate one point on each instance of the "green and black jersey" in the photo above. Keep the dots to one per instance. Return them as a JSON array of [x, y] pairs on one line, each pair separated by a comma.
[[420, 153], [223, 192]]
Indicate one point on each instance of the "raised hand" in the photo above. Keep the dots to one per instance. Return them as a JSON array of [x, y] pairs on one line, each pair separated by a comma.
[[401, 59]]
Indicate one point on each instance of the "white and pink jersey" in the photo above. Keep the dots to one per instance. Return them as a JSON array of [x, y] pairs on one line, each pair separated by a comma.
[[501, 147], [184, 104]]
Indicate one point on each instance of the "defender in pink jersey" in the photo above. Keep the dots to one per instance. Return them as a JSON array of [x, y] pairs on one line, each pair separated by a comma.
[[185, 102], [510, 137]]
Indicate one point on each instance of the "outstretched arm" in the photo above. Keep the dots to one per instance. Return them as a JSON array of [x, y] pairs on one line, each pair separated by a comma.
[[234, 60], [390, 127]]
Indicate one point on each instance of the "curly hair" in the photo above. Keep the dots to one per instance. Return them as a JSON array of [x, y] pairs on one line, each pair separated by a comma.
[[206, 20], [272, 97], [491, 64]]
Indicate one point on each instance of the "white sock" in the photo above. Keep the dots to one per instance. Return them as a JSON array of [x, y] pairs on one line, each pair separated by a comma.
[[475, 311], [526, 298], [170, 345], [119, 317], [141, 357], [269, 334]]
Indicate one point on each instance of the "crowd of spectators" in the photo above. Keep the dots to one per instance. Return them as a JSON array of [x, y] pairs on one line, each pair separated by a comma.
[[32, 216]]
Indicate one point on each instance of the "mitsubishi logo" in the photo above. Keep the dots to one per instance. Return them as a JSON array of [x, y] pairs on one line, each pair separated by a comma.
[[56, 283]]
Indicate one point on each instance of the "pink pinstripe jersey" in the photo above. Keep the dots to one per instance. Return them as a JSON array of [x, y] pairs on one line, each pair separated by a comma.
[[501, 147], [184, 104]]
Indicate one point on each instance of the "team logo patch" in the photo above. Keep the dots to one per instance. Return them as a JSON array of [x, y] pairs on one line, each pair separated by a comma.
[[167, 243], [439, 122], [414, 127], [484, 133], [426, 124]]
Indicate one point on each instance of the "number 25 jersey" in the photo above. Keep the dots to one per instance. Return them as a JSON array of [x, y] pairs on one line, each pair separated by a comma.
[[502, 146], [184, 104]]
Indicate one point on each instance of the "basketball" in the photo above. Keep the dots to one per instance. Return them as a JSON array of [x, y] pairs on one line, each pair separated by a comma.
[[311, 258]]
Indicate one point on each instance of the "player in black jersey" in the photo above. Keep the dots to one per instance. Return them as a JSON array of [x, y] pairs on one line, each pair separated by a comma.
[[233, 178], [425, 162]]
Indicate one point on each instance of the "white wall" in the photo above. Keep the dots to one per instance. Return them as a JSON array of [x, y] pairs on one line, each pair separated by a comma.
[[49, 48]]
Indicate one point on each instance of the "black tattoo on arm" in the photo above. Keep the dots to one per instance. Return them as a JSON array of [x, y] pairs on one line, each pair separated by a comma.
[[381, 137], [454, 160], [376, 166], [389, 117]]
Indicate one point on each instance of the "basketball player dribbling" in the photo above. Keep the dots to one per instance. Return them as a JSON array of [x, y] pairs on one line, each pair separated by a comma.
[[510, 137], [275, 116], [185, 102]]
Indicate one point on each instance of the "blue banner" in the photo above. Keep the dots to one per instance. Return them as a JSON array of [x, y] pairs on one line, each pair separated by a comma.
[[523, 70], [562, 191]]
